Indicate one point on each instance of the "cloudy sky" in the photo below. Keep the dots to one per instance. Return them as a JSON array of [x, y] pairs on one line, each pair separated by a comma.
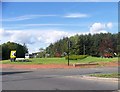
[[38, 24]]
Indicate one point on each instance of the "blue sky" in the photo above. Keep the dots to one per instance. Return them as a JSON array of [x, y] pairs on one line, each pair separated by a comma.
[[40, 23]]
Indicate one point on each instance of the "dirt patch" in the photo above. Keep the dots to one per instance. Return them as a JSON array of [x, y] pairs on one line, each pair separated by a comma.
[[108, 64], [35, 66]]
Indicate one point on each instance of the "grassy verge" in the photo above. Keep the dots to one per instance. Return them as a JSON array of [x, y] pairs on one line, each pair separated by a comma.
[[110, 75], [62, 60]]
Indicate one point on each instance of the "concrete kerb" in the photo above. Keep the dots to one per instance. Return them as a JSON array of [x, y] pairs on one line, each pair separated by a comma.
[[83, 64], [101, 78], [87, 77]]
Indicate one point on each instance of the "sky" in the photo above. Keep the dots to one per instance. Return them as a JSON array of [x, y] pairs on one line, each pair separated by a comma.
[[37, 24], [60, 0]]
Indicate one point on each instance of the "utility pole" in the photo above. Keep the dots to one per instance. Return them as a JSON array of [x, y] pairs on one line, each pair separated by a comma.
[[68, 50]]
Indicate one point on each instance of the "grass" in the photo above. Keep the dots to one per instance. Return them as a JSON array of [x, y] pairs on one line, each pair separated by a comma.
[[62, 60], [110, 75], [98, 59]]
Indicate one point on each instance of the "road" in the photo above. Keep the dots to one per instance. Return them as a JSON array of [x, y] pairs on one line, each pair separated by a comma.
[[55, 79]]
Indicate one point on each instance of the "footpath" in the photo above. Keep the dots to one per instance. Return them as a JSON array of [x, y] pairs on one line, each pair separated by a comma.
[[32, 66], [37, 66]]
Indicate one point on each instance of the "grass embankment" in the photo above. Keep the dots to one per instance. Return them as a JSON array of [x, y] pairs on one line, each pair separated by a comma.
[[89, 59], [110, 75]]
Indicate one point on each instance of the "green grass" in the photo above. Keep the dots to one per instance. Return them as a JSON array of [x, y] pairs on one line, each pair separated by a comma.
[[39, 61], [98, 59], [62, 60], [110, 75]]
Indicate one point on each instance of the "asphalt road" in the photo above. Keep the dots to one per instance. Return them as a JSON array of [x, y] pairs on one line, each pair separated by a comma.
[[55, 79]]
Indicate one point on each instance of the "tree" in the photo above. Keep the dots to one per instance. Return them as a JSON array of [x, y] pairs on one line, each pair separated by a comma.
[[84, 44], [42, 53], [80, 45], [25, 48], [7, 47], [106, 45], [118, 44]]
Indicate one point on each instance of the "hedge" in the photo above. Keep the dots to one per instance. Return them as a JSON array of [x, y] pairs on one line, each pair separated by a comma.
[[76, 57]]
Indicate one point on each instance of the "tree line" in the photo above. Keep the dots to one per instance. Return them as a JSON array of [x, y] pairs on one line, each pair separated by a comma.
[[94, 45]]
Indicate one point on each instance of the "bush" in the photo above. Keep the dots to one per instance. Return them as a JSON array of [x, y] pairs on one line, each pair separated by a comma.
[[76, 57], [25, 60]]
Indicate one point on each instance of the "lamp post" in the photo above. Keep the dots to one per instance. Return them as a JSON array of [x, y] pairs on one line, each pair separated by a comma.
[[68, 50]]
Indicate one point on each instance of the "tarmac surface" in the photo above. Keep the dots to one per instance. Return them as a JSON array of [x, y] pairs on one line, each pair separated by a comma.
[[56, 79]]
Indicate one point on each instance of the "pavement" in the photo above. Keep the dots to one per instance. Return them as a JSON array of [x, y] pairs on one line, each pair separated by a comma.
[[57, 79]]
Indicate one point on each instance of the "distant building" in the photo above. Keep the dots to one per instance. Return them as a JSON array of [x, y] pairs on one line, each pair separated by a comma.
[[47, 55], [108, 53], [57, 54], [34, 55], [27, 56]]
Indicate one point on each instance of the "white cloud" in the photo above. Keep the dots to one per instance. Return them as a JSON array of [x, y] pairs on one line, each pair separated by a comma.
[[23, 37], [97, 28], [52, 36], [42, 38], [100, 27], [32, 16], [26, 17], [37, 36], [48, 36], [76, 15], [4, 33], [34, 36], [109, 25], [27, 25]]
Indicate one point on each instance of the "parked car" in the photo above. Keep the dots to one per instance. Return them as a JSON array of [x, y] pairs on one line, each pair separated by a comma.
[[108, 55]]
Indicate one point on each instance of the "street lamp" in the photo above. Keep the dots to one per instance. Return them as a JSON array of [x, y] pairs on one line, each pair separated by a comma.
[[68, 49]]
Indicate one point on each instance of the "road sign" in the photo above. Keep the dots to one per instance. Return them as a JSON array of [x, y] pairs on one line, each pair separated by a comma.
[[13, 54]]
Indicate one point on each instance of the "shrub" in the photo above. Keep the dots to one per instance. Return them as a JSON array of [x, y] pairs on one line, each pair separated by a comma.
[[76, 57]]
